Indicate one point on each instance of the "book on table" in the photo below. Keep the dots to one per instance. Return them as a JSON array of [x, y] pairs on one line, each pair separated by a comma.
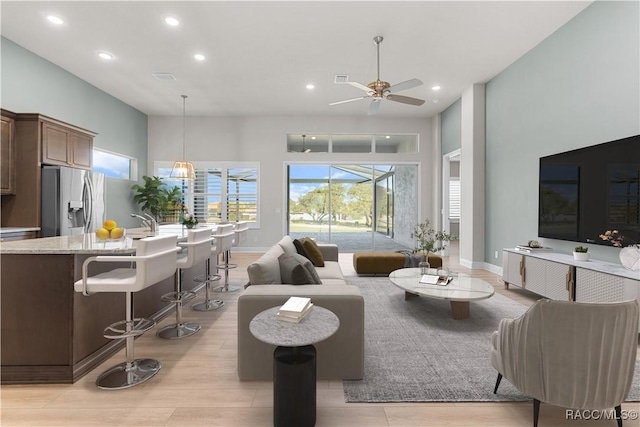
[[295, 309], [435, 279]]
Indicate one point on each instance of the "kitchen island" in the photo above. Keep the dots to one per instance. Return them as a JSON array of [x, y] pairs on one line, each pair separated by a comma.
[[49, 332]]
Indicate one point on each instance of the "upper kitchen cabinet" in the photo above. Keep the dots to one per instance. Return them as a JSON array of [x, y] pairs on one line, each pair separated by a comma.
[[40, 140], [7, 153], [66, 146]]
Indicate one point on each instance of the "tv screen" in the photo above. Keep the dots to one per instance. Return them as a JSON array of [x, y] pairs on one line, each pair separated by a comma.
[[587, 191]]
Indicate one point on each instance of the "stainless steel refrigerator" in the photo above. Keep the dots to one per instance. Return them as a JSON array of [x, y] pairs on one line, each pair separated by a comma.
[[73, 201]]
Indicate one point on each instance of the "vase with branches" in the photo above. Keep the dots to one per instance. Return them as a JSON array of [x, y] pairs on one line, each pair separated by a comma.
[[428, 240]]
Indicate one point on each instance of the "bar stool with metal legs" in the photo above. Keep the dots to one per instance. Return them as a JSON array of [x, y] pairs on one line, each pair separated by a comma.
[[224, 239], [208, 278], [239, 228], [198, 249], [155, 260]]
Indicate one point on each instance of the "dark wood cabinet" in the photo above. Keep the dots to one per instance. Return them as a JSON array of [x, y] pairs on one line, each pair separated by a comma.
[[7, 155], [64, 146], [40, 140]]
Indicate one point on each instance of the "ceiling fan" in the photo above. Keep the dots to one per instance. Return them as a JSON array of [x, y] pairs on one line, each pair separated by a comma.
[[380, 90]]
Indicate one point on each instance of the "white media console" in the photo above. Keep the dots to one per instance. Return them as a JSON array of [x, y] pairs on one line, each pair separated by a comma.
[[559, 276]]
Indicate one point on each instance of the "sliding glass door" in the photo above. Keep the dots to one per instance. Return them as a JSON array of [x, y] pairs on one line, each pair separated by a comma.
[[351, 205]]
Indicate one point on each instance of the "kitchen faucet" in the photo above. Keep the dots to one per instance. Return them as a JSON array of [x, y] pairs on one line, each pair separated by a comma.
[[147, 221]]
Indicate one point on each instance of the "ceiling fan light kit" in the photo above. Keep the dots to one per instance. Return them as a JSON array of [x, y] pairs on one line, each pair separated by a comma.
[[379, 89]]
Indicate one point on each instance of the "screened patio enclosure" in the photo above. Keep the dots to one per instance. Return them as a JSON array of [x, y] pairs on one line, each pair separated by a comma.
[[357, 206]]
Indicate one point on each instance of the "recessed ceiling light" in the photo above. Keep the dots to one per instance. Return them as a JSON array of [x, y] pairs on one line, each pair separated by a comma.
[[313, 137], [105, 55], [310, 86], [388, 137], [170, 20], [55, 19], [435, 88], [199, 57]]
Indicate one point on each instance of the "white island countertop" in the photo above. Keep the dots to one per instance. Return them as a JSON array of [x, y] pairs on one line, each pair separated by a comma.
[[89, 244]]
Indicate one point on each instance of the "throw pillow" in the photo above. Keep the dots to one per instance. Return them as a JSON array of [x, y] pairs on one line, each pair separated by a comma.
[[299, 248], [310, 268], [292, 272], [313, 252]]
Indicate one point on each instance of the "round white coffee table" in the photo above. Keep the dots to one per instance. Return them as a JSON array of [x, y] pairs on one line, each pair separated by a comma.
[[460, 291]]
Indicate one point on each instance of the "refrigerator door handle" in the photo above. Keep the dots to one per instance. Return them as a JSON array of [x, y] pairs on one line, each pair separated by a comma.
[[88, 203]]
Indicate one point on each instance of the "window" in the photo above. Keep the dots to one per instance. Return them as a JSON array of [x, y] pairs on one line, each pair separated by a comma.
[[454, 199], [352, 143], [115, 165], [221, 192]]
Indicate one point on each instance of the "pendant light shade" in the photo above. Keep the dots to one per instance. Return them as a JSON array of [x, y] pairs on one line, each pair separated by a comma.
[[182, 169]]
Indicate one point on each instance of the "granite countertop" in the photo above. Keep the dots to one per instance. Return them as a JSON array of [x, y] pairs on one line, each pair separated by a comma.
[[75, 244], [5, 230], [89, 244]]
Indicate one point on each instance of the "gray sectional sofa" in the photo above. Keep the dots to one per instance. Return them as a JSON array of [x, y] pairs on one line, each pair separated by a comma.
[[341, 356]]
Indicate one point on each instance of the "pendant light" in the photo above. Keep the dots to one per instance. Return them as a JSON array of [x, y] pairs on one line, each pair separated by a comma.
[[182, 169], [305, 150]]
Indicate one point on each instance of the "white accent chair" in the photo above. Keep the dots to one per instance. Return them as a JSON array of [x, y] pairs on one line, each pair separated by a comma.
[[569, 354], [198, 249], [222, 231], [155, 260]]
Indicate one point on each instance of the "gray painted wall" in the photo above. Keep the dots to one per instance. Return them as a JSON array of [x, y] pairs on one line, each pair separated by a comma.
[[452, 127], [577, 88], [31, 84]]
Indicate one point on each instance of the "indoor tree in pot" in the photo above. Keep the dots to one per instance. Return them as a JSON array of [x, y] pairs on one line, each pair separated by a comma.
[[155, 197], [429, 240]]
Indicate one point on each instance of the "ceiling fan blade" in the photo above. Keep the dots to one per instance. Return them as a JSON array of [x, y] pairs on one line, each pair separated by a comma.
[[349, 100], [405, 99], [405, 85], [361, 86], [374, 106]]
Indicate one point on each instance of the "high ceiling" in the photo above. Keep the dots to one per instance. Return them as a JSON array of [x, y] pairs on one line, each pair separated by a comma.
[[261, 55]]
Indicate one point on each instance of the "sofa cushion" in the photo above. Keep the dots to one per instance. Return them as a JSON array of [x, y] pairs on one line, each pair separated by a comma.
[[313, 252], [266, 269], [331, 270], [293, 272], [286, 243], [310, 268]]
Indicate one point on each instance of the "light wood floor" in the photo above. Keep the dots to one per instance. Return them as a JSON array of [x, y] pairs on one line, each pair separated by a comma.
[[198, 386]]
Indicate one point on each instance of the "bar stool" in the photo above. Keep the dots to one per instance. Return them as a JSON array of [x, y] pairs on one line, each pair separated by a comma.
[[216, 249], [224, 240], [155, 261], [239, 228], [198, 249]]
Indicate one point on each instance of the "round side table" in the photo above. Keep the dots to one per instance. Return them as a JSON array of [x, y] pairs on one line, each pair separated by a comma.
[[294, 361]]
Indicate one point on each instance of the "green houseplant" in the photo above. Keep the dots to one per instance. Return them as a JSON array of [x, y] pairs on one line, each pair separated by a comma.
[[581, 253], [429, 240], [155, 197]]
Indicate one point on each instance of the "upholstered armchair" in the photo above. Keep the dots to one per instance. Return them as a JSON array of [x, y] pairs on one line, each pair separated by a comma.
[[569, 354]]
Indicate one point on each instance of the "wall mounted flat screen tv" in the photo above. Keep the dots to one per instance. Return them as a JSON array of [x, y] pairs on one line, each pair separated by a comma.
[[584, 192]]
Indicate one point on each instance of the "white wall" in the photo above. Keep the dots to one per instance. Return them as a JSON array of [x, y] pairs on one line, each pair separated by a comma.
[[263, 139]]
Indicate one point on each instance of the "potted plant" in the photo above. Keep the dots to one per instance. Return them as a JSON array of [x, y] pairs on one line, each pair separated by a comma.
[[580, 253], [188, 220], [155, 197], [429, 240]]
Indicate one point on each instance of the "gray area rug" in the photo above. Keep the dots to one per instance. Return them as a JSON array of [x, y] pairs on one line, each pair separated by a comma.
[[416, 352]]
